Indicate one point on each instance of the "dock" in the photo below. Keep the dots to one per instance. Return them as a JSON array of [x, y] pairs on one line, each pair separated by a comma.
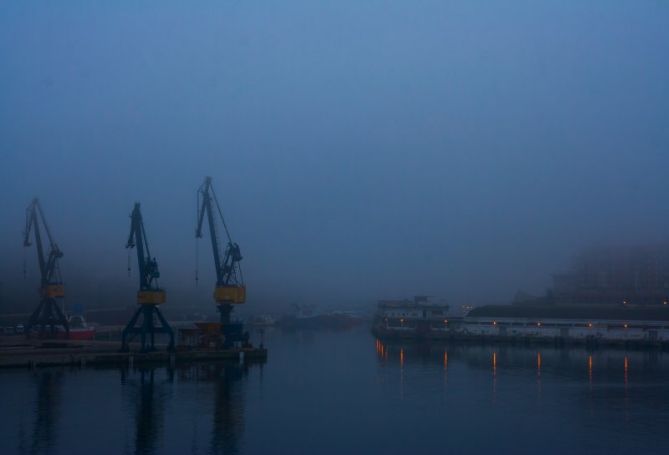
[[31, 354]]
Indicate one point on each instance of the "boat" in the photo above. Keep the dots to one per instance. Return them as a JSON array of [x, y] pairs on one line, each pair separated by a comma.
[[262, 320], [79, 329], [421, 317]]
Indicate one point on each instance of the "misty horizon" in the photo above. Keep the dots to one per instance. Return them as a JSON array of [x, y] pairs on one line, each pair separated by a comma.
[[359, 151]]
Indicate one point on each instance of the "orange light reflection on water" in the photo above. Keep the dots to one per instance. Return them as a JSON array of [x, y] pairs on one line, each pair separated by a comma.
[[626, 368], [494, 377], [494, 363], [380, 350]]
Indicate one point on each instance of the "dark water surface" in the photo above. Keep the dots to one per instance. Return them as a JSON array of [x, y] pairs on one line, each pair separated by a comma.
[[345, 392]]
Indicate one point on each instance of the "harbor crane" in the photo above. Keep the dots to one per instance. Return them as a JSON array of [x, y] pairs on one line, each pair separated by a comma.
[[230, 289], [150, 295], [48, 313]]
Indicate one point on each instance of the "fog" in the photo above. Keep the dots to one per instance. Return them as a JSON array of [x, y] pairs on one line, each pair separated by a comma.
[[360, 149]]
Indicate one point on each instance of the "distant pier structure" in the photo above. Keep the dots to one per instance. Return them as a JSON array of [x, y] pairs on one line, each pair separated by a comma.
[[614, 296]]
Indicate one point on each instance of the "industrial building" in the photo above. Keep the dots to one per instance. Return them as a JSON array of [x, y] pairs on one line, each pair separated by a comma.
[[614, 275]]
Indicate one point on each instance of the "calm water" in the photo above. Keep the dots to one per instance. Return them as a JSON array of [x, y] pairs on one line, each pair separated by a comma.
[[344, 392]]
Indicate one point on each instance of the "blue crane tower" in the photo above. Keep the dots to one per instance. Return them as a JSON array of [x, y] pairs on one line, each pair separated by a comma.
[[48, 313], [150, 295], [230, 289]]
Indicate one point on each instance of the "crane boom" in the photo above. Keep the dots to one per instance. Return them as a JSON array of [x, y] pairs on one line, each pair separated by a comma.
[[148, 267], [229, 279], [205, 207], [49, 267]]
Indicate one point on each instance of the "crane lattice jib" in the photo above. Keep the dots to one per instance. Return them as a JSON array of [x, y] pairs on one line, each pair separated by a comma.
[[149, 292], [229, 279], [51, 283]]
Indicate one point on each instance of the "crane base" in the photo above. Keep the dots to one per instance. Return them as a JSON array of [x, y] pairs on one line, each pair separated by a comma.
[[48, 314], [148, 328], [233, 332]]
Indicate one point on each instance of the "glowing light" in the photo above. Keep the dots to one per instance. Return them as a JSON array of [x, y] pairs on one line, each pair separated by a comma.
[[445, 321], [625, 325], [494, 322], [401, 356], [590, 324], [538, 324], [666, 302]]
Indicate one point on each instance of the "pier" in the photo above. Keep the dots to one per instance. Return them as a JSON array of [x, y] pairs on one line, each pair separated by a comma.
[[20, 353]]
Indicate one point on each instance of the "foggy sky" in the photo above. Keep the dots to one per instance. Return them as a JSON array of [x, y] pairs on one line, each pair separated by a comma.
[[361, 149]]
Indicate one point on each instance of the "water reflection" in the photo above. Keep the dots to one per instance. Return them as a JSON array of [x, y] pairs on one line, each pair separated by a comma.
[[626, 368], [148, 397], [153, 413], [228, 402], [45, 414], [610, 378], [558, 361], [569, 400], [151, 397]]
